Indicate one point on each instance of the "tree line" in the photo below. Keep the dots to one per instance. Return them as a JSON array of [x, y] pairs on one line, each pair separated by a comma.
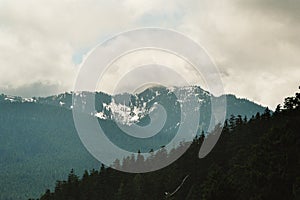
[[256, 158]]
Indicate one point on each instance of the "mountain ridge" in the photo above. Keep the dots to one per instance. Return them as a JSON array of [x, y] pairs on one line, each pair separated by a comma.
[[41, 130]]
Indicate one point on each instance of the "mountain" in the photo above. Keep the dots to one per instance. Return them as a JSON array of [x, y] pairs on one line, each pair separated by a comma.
[[39, 143], [257, 158]]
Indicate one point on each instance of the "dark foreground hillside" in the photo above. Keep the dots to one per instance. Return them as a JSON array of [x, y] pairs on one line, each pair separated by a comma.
[[258, 158]]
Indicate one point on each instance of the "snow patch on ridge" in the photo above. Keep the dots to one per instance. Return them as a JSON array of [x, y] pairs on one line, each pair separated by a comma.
[[124, 114]]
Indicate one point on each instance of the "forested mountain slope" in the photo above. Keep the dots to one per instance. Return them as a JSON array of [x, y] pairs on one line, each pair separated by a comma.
[[39, 143], [254, 159]]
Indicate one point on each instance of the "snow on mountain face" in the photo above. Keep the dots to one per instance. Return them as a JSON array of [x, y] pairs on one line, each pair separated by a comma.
[[15, 99], [100, 115], [126, 115], [123, 114], [29, 100], [11, 99], [129, 109], [113, 109]]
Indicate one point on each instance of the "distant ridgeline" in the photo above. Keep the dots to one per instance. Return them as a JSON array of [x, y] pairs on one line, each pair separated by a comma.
[[257, 158], [39, 143]]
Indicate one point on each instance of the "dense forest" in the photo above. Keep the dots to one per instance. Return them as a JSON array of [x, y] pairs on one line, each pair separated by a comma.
[[39, 143], [256, 158]]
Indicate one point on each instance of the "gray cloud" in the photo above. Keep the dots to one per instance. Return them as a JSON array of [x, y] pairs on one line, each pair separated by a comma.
[[255, 43], [278, 9], [40, 89]]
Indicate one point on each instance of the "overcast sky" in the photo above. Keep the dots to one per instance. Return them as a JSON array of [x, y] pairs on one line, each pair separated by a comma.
[[255, 43]]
